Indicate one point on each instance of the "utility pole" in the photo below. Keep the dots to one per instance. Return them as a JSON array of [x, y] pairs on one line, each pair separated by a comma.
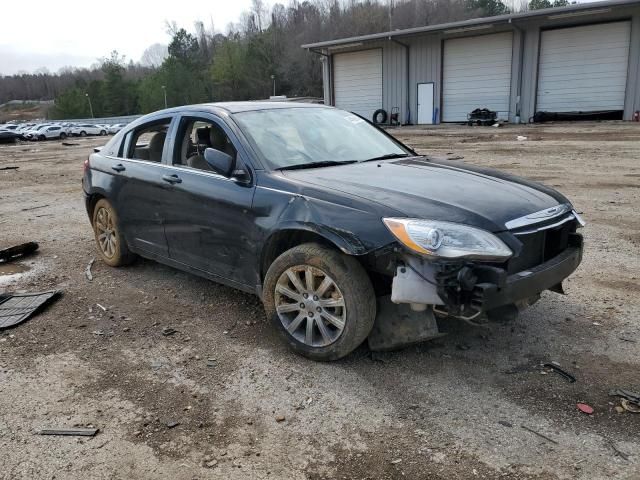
[[90, 107], [164, 89], [273, 78]]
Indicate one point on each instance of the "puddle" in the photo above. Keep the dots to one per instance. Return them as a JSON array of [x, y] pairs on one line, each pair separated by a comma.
[[12, 269]]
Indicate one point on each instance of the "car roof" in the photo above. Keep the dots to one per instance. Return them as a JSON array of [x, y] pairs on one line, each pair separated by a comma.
[[237, 107]]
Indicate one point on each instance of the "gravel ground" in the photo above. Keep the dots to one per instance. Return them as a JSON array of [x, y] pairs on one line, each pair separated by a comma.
[[223, 398]]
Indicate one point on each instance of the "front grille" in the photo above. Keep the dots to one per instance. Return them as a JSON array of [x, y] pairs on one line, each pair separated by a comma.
[[539, 247]]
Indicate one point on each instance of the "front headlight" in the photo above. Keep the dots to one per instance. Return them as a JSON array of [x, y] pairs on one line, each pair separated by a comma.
[[447, 239]]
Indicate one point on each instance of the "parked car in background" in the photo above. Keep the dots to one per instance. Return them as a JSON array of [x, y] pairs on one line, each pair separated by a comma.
[[8, 136], [113, 129], [52, 131], [10, 127], [85, 129], [342, 231], [34, 132]]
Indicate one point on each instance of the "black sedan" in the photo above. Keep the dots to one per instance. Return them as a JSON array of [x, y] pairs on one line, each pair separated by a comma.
[[344, 232]]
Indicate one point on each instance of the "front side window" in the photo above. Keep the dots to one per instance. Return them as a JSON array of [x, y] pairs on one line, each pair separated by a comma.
[[290, 137], [147, 141], [196, 135]]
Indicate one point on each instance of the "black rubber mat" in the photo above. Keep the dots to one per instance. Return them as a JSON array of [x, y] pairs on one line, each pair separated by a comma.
[[18, 307]]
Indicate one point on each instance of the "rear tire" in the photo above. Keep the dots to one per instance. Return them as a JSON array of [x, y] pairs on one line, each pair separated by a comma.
[[341, 315], [112, 246], [103, 133], [83, 133], [42, 137], [63, 136]]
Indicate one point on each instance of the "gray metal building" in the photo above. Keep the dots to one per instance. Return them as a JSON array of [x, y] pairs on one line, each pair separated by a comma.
[[584, 57]]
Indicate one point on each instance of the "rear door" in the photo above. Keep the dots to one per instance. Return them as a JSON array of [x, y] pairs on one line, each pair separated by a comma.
[[209, 218], [142, 191]]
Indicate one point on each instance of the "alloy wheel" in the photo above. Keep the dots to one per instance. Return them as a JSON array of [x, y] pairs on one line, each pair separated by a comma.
[[310, 305], [106, 233]]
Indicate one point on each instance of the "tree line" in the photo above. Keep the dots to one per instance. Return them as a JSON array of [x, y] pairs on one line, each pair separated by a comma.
[[262, 48]]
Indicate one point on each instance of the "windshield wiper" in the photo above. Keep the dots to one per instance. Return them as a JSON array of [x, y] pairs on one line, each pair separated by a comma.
[[388, 156], [323, 163]]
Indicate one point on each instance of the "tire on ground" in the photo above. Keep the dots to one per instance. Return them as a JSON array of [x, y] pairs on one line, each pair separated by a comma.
[[122, 255], [379, 116], [353, 282]]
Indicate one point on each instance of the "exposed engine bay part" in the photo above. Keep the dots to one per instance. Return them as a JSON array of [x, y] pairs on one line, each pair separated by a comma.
[[397, 326], [415, 283]]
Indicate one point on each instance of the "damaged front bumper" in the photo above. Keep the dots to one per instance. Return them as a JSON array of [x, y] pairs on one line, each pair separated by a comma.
[[466, 290]]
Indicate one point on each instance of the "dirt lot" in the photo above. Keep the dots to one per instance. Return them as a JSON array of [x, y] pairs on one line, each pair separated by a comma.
[[447, 409]]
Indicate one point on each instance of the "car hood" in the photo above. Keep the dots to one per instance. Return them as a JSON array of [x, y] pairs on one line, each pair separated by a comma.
[[420, 187]]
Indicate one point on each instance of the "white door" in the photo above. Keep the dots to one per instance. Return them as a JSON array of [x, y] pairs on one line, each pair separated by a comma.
[[425, 103], [357, 81], [583, 68], [476, 74]]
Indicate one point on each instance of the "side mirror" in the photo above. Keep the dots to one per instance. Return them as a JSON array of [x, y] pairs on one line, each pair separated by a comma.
[[240, 175], [219, 161]]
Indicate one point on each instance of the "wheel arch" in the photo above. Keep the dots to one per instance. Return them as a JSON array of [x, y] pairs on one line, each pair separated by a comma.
[[290, 236]]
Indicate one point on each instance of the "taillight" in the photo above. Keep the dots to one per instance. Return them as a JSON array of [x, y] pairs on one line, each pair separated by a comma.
[[85, 166]]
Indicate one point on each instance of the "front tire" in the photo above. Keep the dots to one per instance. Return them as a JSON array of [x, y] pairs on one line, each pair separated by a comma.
[[83, 133], [320, 300], [103, 133], [63, 136], [112, 247]]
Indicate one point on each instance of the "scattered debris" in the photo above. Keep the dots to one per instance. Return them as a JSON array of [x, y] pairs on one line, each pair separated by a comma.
[[16, 308], [629, 407], [539, 434], [104, 309], [10, 167], [505, 423], [596, 324], [211, 464], [87, 271], [69, 144], [619, 409], [98, 332], [17, 251], [521, 138], [626, 339], [280, 418], [34, 208], [396, 461], [75, 432], [166, 331], [172, 423], [584, 408], [557, 369], [626, 394], [211, 362], [618, 452]]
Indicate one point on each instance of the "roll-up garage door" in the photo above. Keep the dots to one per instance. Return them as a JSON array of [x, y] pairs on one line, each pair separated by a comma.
[[476, 74], [357, 81], [583, 68]]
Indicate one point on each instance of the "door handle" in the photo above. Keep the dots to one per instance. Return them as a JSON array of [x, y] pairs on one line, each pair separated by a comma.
[[118, 168], [172, 179]]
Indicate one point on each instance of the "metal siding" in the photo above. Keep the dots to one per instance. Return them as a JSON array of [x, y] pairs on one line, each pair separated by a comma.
[[424, 67], [394, 80], [583, 68], [632, 103], [357, 78], [477, 74]]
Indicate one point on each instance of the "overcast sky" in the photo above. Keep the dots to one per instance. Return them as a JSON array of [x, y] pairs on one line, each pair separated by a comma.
[[50, 34], [45, 33]]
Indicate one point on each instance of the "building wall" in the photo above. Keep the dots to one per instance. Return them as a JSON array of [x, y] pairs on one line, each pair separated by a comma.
[[425, 65]]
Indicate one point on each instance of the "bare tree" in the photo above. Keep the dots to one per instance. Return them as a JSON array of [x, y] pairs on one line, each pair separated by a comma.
[[154, 55]]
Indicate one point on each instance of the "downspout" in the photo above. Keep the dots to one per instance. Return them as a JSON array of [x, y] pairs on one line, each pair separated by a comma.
[[520, 67], [406, 48], [328, 66]]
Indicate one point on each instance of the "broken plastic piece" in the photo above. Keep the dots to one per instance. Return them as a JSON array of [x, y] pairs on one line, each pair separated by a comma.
[[557, 369], [82, 432], [17, 308], [584, 408], [17, 251]]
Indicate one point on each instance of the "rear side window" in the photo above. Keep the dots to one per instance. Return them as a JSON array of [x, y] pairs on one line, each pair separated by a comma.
[[147, 141]]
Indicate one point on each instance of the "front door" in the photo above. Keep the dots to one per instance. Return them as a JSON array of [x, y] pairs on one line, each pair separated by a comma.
[[209, 218], [425, 103]]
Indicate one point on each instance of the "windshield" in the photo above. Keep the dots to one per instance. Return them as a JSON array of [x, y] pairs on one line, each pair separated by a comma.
[[287, 137]]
